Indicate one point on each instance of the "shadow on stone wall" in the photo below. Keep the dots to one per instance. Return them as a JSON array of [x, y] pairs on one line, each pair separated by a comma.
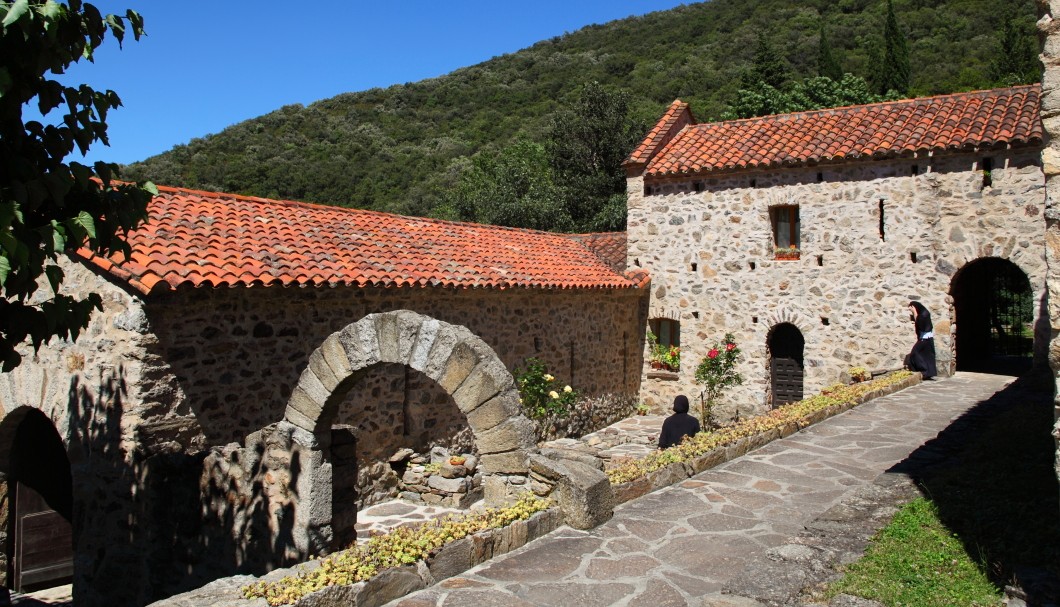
[[990, 475]]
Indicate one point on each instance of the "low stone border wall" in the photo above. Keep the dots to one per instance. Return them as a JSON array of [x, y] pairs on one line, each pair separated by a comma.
[[450, 560], [457, 557], [679, 471]]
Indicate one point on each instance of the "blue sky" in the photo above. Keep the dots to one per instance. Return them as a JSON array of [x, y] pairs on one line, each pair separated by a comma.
[[205, 66]]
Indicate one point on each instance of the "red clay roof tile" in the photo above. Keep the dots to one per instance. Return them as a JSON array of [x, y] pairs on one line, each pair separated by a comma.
[[213, 239], [962, 121]]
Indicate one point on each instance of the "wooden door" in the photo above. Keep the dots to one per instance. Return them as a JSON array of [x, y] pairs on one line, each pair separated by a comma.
[[787, 380], [43, 553]]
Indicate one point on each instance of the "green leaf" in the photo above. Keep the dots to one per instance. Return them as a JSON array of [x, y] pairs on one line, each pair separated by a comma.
[[86, 222], [5, 269], [15, 12]]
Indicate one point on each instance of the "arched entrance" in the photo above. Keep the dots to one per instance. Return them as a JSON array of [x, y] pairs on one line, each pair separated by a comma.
[[994, 313], [462, 364], [786, 368], [40, 501]]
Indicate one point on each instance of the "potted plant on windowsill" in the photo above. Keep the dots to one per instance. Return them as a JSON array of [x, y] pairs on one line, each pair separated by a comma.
[[786, 253], [667, 358]]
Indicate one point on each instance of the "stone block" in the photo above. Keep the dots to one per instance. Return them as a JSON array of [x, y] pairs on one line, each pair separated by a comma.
[[389, 585], [396, 333], [509, 538], [335, 355], [512, 462], [481, 547], [361, 343], [516, 433], [493, 412], [322, 370], [624, 492], [448, 470], [452, 559], [332, 596], [305, 405], [438, 358], [583, 493], [707, 460], [458, 365], [313, 387], [488, 379], [667, 475], [448, 485], [421, 350]]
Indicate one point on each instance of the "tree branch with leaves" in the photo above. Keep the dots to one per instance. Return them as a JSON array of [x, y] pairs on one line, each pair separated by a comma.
[[48, 206]]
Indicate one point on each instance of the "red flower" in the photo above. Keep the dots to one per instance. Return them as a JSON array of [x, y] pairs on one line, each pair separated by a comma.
[[713, 353], [729, 347]]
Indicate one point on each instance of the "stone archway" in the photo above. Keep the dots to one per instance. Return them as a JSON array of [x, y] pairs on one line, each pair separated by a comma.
[[460, 362], [786, 347], [39, 488], [993, 313]]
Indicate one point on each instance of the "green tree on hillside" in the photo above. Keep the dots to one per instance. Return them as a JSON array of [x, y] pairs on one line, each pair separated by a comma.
[[49, 206], [587, 144], [768, 65], [808, 94], [512, 188], [1016, 60], [893, 73], [827, 65]]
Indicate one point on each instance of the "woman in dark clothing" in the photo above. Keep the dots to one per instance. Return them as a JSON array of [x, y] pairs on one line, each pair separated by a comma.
[[922, 357], [678, 425]]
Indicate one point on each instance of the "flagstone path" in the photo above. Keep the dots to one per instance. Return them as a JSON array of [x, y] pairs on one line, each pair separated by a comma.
[[681, 546]]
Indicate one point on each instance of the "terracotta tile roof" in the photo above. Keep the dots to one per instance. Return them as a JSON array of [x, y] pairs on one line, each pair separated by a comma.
[[676, 117], [610, 247], [964, 121], [198, 239]]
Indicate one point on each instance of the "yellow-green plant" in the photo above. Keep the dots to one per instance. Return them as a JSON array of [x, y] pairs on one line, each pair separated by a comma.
[[538, 393], [401, 546], [859, 374], [707, 441]]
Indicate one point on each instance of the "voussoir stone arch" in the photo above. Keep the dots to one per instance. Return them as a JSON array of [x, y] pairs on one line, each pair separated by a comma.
[[459, 361]]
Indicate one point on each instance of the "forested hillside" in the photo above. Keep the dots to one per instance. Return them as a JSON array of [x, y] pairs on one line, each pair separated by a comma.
[[405, 148]]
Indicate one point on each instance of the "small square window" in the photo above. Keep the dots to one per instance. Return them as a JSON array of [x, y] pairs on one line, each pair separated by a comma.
[[785, 220], [667, 331]]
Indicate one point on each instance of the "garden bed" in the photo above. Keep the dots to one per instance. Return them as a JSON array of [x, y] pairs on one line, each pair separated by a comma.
[[634, 478]]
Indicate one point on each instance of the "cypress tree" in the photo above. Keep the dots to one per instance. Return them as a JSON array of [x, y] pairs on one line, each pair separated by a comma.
[[768, 67], [1017, 59], [894, 72], [827, 65]]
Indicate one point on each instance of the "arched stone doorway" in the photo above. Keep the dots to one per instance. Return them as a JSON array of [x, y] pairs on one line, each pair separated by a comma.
[[39, 486], [994, 313], [461, 363], [786, 364]]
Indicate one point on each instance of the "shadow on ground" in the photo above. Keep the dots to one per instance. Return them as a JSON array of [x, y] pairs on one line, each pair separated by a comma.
[[990, 473]]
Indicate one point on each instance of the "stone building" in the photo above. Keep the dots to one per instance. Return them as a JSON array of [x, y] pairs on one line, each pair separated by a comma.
[[261, 368], [805, 235]]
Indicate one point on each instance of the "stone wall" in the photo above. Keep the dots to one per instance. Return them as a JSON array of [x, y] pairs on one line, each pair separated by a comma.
[[1049, 29], [708, 245], [169, 408]]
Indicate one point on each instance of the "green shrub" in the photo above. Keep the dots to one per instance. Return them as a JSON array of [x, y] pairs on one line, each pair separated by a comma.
[[539, 395]]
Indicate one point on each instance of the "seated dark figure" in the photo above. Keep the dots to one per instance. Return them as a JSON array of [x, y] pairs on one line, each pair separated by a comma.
[[678, 425]]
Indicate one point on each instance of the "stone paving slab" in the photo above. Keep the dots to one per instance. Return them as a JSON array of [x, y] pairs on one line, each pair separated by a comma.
[[680, 546]]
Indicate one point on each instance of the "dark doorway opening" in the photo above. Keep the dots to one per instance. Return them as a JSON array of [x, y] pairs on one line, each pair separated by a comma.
[[786, 366], [994, 309], [40, 492]]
